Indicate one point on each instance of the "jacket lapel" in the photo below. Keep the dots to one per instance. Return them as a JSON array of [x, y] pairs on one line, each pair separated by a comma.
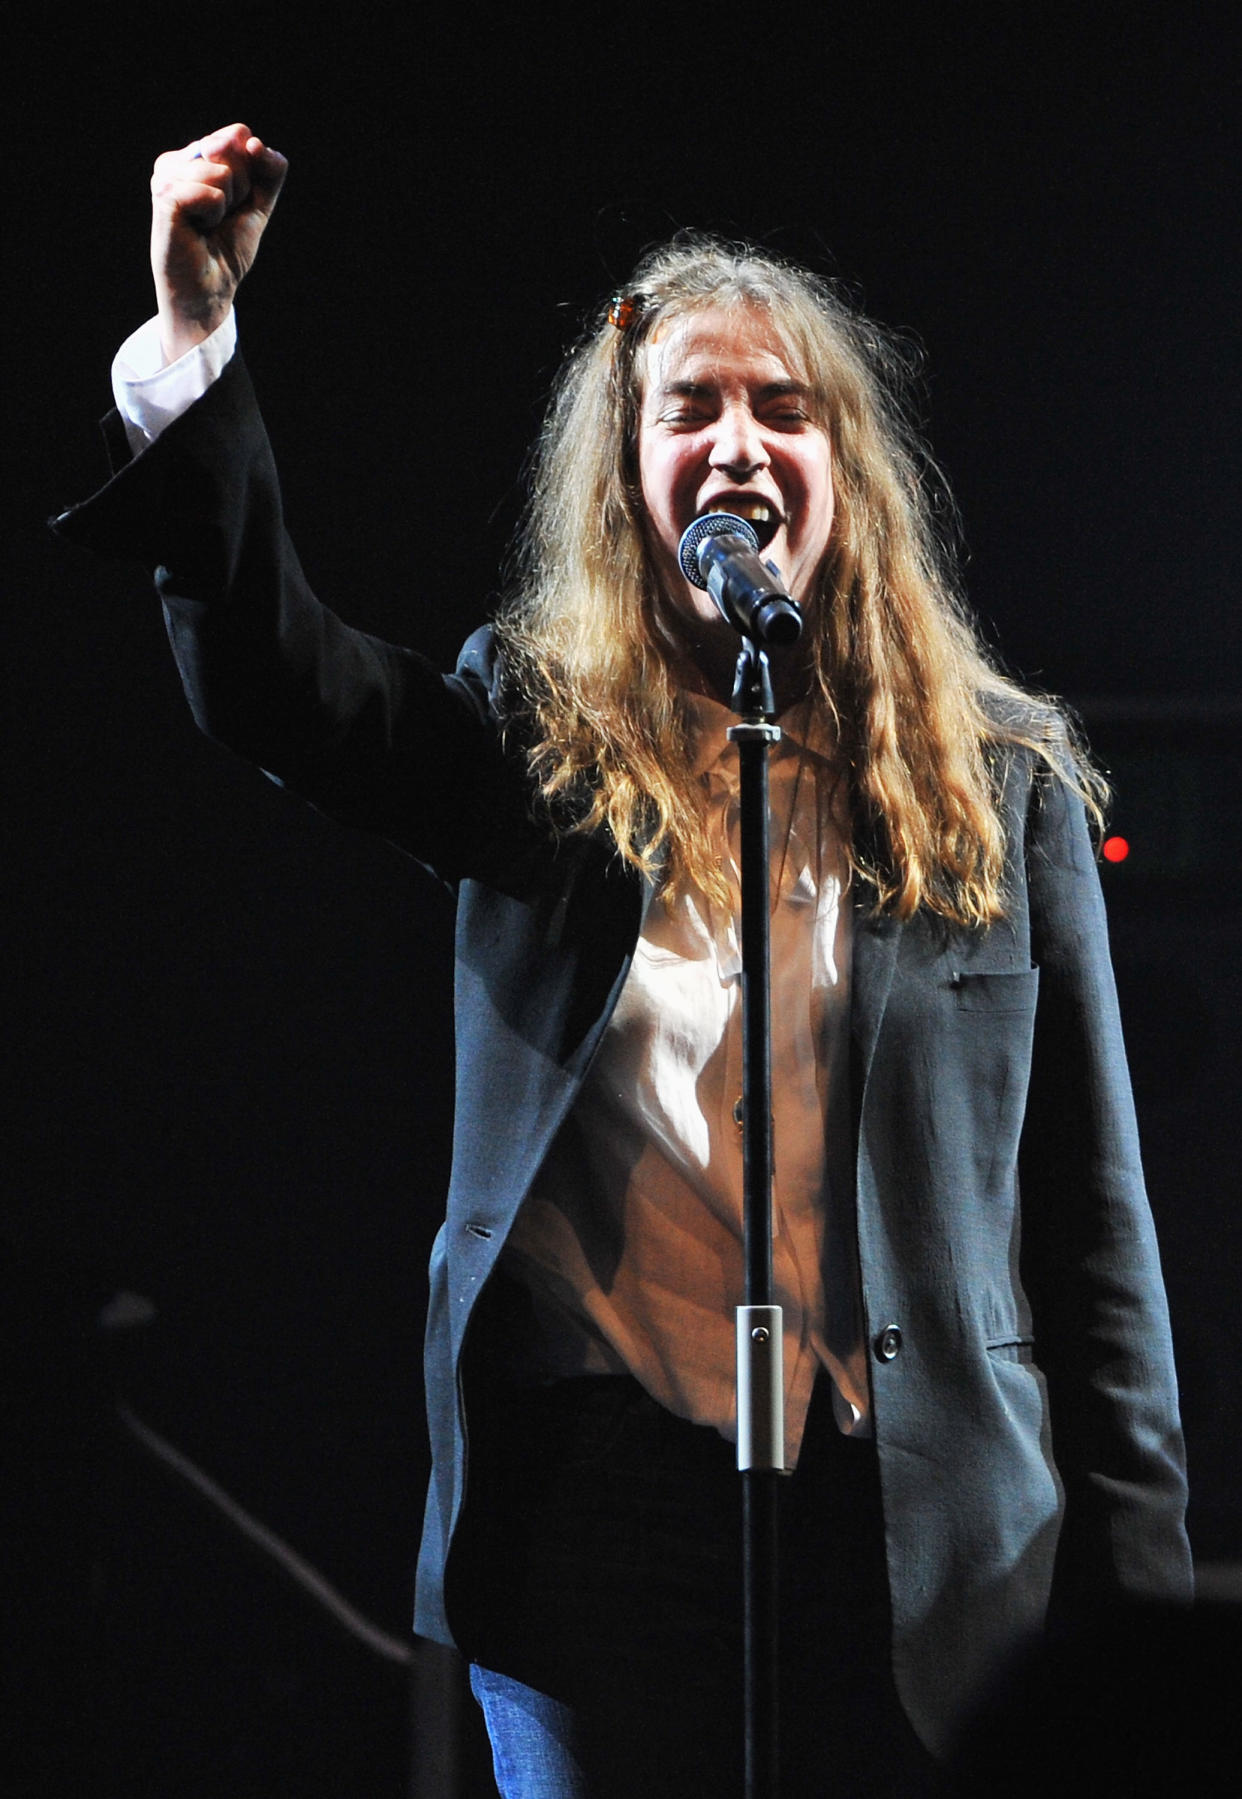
[[874, 962]]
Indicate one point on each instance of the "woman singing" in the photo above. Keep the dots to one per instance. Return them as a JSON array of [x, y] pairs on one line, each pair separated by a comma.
[[980, 1409]]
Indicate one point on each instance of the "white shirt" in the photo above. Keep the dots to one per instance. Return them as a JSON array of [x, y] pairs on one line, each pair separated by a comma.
[[630, 1242], [150, 393]]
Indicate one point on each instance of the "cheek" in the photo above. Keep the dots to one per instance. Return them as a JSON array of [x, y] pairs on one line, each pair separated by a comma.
[[822, 497], [821, 473], [662, 476], [648, 482]]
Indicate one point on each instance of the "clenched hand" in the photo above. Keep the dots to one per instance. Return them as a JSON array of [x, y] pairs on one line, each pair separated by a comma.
[[210, 204]]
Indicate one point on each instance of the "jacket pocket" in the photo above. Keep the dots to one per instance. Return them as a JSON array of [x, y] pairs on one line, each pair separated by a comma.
[[1013, 990]]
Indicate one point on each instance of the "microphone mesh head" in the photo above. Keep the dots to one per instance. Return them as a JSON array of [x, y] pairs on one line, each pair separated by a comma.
[[712, 524]]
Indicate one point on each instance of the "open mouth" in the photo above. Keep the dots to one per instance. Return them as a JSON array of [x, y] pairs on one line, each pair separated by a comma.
[[762, 517]]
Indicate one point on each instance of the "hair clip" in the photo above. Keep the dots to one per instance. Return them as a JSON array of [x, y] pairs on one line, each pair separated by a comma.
[[623, 309]]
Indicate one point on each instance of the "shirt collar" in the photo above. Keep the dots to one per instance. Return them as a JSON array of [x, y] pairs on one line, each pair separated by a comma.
[[801, 732]]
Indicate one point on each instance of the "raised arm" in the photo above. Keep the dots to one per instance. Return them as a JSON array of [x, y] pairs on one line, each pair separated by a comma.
[[210, 204], [368, 731]]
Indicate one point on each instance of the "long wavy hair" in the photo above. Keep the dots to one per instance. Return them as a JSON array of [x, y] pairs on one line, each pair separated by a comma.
[[918, 718]]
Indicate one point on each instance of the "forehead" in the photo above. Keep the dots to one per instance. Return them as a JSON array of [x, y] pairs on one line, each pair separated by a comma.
[[717, 344]]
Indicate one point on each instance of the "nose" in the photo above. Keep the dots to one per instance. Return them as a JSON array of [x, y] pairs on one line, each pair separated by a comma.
[[738, 449]]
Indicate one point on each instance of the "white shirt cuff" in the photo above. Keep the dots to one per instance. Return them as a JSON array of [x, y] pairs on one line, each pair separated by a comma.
[[150, 393]]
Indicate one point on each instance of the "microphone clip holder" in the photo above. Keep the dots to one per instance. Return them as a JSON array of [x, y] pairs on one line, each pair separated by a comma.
[[752, 697]]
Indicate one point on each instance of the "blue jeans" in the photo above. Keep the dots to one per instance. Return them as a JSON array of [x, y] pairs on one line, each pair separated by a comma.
[[598, 1592], [533, 1738]]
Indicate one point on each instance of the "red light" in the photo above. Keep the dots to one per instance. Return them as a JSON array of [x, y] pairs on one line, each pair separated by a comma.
[[1115, 849]]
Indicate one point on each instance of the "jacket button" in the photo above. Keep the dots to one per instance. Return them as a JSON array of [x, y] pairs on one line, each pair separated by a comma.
[[888, 1343]]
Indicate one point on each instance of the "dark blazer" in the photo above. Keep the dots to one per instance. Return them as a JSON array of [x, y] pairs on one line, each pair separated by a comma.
[[1024, 1398]]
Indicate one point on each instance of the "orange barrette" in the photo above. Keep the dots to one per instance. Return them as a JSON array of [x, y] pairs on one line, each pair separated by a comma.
[[623, 309]]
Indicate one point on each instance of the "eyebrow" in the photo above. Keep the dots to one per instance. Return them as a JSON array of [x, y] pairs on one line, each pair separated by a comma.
[[695, 390]]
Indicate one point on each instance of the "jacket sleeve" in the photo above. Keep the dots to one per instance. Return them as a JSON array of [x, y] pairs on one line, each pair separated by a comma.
[[366, 730], [1090, 1262]]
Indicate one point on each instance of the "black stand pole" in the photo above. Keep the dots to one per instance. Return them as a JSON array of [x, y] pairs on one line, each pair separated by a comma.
[[761, 1444]]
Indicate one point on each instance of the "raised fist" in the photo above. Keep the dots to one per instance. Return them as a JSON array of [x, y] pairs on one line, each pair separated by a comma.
[[210, 204]]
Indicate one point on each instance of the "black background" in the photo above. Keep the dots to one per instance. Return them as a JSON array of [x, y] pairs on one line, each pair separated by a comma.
[[228, 1024]]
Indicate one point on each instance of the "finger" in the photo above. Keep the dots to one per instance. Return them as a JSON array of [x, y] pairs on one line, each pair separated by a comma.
[[225, 146], [208, 147], [226, 138], [267, 171], [194, 188], [192, 163], [202, 208]]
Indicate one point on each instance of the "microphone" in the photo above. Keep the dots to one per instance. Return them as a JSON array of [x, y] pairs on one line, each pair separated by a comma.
[[720, 552]]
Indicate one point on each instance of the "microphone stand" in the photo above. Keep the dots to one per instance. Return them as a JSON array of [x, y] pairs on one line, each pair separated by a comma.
[[760, 1379]]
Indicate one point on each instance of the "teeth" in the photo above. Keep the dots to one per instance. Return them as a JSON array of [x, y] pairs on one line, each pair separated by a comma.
[[756, 512]]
